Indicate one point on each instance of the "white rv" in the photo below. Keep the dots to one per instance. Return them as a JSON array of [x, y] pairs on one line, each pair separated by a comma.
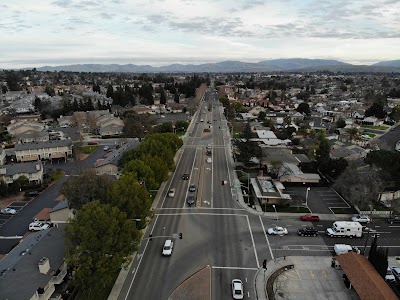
[[343, 228]]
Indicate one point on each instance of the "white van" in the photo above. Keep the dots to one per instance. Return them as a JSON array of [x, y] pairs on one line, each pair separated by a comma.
[[171, 193], [342, 249], [343, 228]]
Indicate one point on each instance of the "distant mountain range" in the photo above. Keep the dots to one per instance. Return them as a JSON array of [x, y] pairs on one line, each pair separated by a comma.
[[274, 65]]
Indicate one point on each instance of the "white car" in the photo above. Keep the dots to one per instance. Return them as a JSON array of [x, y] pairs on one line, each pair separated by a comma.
[[37, 226], [167, 248], [106, 148], [237, 289], [8, 211], [209, 160], [361, 219], [277, 230], [389, 275]]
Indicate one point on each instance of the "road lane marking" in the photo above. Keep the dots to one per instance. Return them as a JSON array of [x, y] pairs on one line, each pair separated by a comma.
[[190, 178], [144, 251], [200, 208], [197, 213], [252, 240], [235, 268], [266, 237]]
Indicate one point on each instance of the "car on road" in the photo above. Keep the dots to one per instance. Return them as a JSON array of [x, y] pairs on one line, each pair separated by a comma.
[[307, 231], [190, 200], [208, 147], [92, 143], [277, 230], [106, 148], [361, 219], [192, 187], [171, 192], [209, 160], [309, 217], [167, 248], [237, 289], [208, 152], [389, 275], [8, 211], [38, 226], [185, 176], [393, 219], [201, 120]]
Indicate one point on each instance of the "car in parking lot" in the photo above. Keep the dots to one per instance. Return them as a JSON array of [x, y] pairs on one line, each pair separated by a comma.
[[393, 219], [307, 231], [361, 219], [8, 211], [277, 230], [389, 275], [167, 248], [106, 148], [309, 217], [190, 200], [192, 187], [185, 176], [237, 289], [396, 272], [38, 226]]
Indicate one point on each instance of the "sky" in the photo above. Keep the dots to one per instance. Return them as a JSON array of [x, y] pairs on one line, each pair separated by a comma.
[[36, 33]]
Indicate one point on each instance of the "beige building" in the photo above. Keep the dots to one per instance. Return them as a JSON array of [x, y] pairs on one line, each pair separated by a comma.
[[43, 150], [61, 213], [31, 170]]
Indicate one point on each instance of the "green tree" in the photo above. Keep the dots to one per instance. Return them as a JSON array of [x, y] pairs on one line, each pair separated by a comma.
[[163, 99], [304, 108], [142, 173], [110, 91], [262, 115], [13, 81], [132, 198], [176, 97], [3, 188], [324, 149], [158, 166], [95, 188], [376, 109], [395, 114], [100, 239], [353, 133], [247, 134], [340, 123]]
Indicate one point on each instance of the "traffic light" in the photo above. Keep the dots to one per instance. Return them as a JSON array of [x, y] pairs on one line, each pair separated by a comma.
[[150, 236], [265, 264], [223, 182], [180, 235]]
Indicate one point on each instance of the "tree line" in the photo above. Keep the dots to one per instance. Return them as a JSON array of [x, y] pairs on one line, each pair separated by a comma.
[[105, 231]]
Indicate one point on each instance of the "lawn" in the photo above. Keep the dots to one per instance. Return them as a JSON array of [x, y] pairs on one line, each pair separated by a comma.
[[55, 175], [369, 134], [89, 149], [381, 127]]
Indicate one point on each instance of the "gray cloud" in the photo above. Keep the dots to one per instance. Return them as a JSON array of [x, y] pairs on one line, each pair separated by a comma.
[[62, 3], [106, 16]]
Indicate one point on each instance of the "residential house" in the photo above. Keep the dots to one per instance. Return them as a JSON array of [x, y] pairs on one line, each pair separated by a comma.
[[2, 156], [35, 268], [59, 149], [292, 173], [32, 170], [350, 152], [24, 131], [61, 213], [108, 125], [372, 121], [358, 114]]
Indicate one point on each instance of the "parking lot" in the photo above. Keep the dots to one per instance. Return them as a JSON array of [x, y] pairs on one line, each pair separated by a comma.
[[17, 205], [319, 199]]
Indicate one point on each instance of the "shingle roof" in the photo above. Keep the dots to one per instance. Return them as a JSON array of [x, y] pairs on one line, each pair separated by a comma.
[[39, 145], [23, 278], [26, 167]]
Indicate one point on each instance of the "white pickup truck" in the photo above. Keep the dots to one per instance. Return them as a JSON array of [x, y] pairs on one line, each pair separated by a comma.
[[342, 249]]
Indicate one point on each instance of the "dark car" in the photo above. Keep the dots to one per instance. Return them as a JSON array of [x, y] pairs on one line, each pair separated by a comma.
[[393, 219], [208, 153], [192, 188], [185, 176], [309, 217], [308, 231], [190, 200], [31, 193]]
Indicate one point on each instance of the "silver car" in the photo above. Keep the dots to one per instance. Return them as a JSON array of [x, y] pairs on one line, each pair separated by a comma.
[[8, 211]]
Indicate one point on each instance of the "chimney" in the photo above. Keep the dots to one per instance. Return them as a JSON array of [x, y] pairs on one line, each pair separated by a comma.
[[44, 265]]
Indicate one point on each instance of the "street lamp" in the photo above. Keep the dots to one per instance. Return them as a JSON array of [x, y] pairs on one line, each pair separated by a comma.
[[308, 189], [277, 217]]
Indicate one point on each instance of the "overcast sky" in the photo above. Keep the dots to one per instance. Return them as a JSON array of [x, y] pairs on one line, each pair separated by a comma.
[[158, 32]]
